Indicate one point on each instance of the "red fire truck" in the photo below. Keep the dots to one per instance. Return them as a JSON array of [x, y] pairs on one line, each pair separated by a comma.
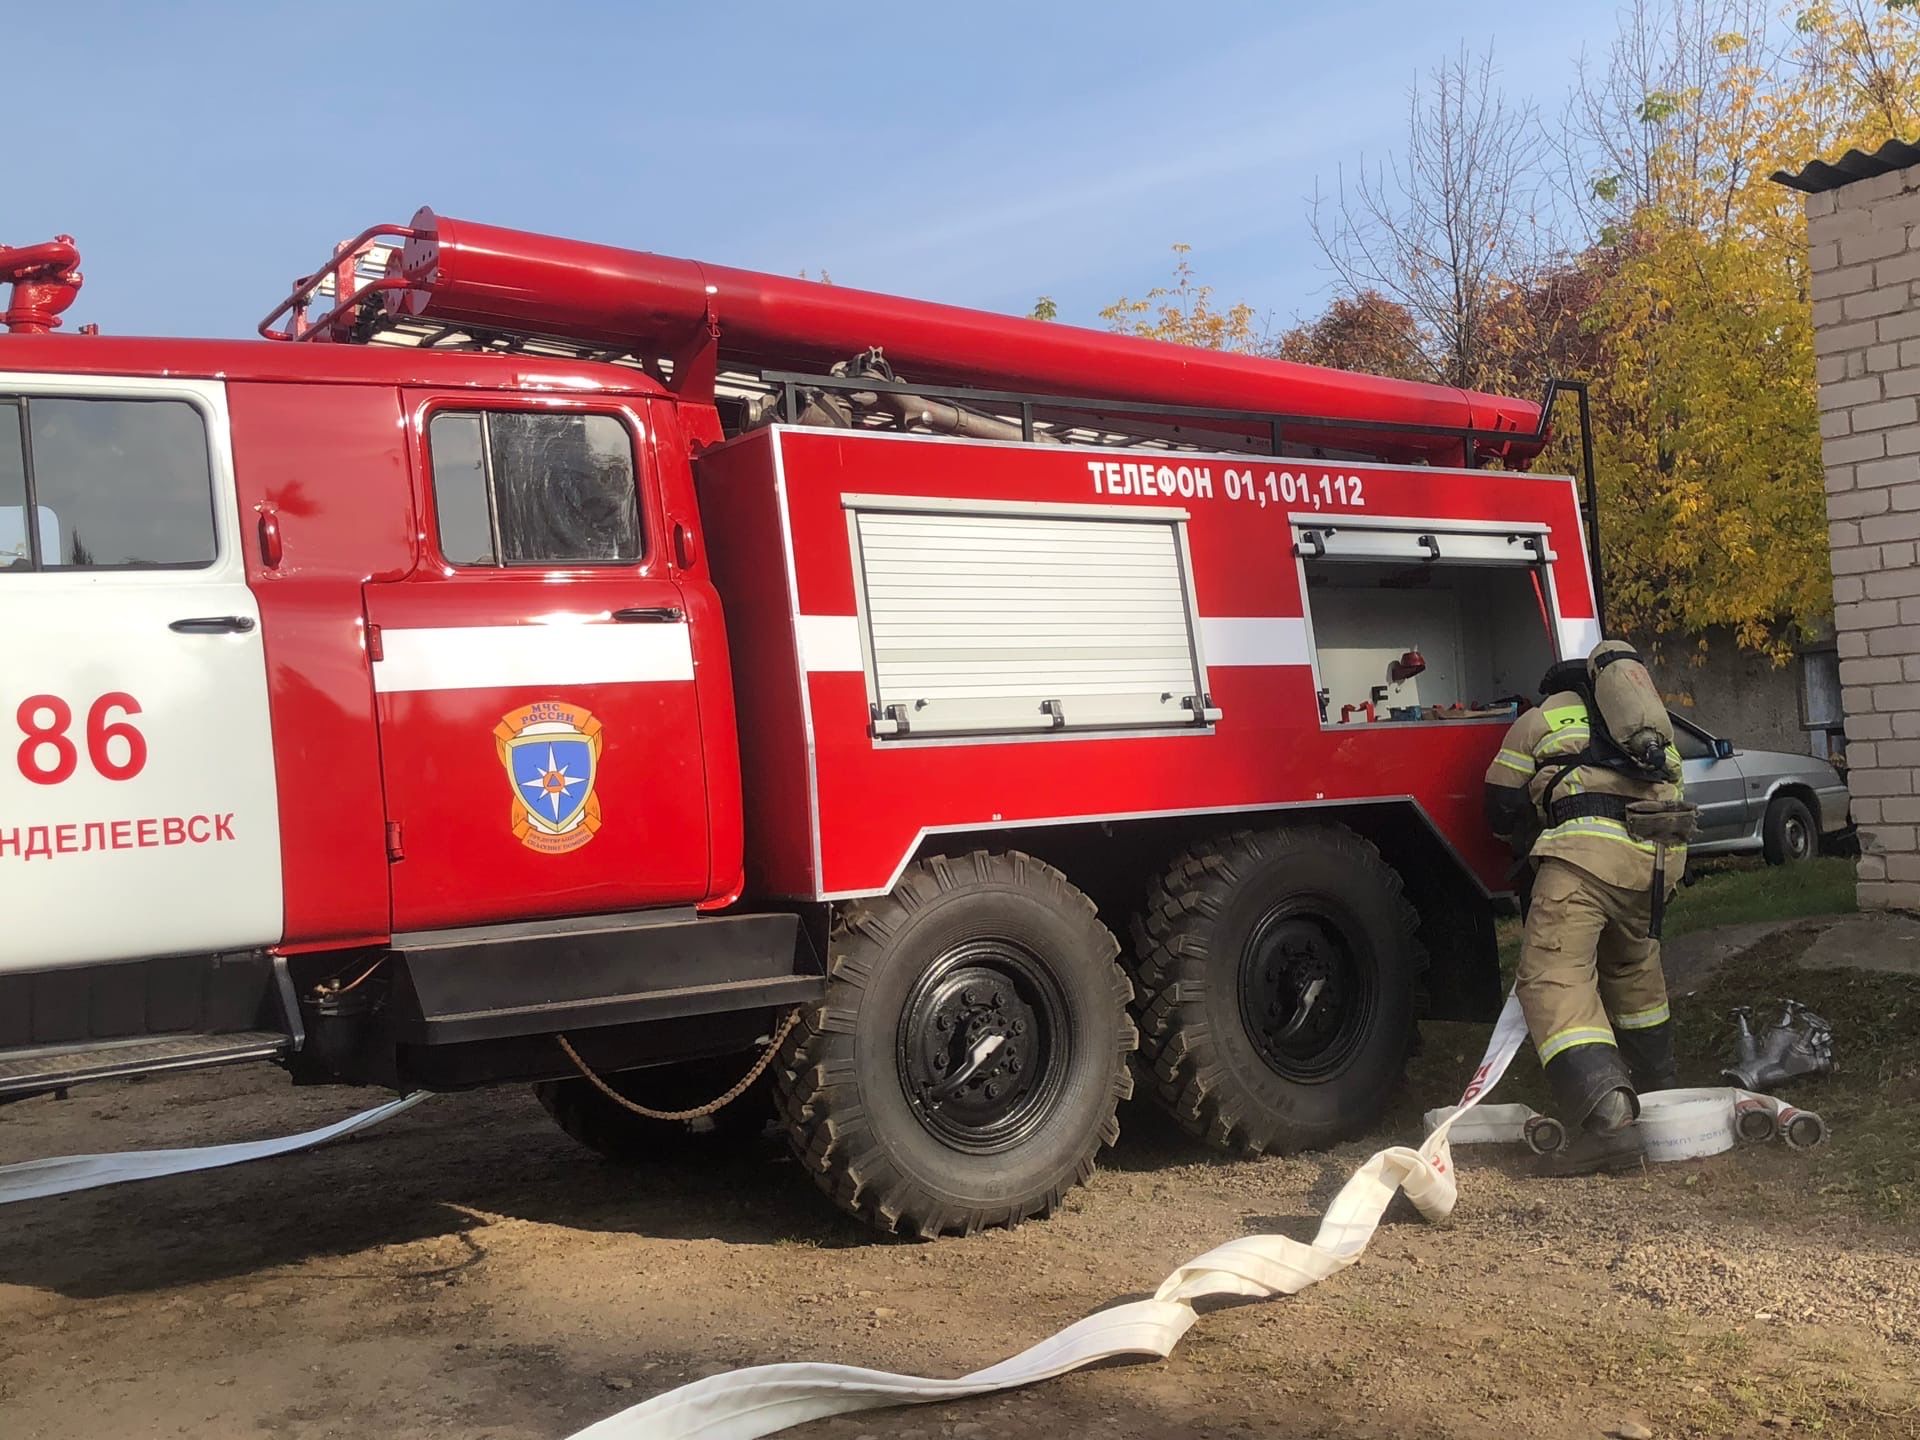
[[538, 661]]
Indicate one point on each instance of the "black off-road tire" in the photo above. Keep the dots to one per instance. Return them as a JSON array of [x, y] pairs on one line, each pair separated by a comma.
[[842, 1082], [1206, 921], [620, 1135], [1789, 833]]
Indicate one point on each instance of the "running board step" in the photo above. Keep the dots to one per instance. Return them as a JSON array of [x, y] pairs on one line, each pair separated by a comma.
[[32, 1071], [506, 981]]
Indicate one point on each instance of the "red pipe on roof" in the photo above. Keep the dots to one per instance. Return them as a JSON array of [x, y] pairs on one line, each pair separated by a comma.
[[468, 275], [45, 279]]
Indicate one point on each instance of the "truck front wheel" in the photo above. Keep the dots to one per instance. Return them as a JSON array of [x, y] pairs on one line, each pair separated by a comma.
[[1275, 974], [966, 1062]]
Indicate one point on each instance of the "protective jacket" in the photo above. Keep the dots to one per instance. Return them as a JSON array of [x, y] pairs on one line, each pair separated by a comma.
[[1579, 810]]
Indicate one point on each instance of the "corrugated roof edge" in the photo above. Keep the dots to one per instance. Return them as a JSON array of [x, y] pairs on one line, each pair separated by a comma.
[[1819, 177]]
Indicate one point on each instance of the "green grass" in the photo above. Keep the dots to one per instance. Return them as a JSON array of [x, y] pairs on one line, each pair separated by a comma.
[[1736, 892], [1872, 1102]]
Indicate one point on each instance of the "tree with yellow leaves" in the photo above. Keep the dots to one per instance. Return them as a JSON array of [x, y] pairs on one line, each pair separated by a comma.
[[1686, 302], [1183, 313], [1707, 427]]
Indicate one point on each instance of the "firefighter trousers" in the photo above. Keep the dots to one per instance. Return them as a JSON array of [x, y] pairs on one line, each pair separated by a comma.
[[1588, 968]]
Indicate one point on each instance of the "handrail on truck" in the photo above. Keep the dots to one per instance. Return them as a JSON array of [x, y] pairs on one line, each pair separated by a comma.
[[349, 297], [345, 320]]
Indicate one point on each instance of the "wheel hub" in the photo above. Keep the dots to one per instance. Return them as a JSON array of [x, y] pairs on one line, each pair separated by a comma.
[[1302, 998], [981, 1045]]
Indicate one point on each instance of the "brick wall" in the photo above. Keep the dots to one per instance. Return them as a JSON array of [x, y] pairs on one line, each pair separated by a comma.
[[1865, 240]]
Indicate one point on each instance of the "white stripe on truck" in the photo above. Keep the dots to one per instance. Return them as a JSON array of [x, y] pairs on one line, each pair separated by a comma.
[[828, 643], [831, 643], [488, 657], [1253, 640], [1578, 637]]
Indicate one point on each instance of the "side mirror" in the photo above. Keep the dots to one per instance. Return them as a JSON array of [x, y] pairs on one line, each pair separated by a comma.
[[1723, 749]]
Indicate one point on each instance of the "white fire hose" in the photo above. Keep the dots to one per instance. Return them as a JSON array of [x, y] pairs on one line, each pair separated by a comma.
[[744, 1404], [1674, 1124], [764, 1399], [64, 1174]]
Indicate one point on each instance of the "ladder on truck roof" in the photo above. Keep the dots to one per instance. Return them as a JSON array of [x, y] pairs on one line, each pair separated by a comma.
[[363, 295]]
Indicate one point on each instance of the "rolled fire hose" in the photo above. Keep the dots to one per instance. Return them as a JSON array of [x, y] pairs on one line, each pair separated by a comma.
[[1675, 1124], [764, 1399], [744, 1404]]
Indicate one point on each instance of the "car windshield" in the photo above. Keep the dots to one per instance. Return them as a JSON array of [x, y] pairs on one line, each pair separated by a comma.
[[1691, 745]]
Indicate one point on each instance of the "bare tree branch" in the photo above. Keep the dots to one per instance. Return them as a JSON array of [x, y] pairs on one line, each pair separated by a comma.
[[1647, 132], [1453, 223]]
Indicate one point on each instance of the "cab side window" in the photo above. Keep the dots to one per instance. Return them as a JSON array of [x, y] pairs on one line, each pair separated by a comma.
[[16, 553], [109, 485], [515, 487]]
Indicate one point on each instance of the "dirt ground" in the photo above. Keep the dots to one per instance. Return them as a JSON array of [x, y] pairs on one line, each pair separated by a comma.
[[466, 1271]]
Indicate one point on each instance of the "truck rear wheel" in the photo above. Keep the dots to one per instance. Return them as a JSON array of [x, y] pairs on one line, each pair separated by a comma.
[[966, 1062], [1275, 974], [614, 1131]]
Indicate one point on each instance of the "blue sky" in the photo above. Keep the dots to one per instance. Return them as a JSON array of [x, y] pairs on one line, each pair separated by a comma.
[[980, 154]]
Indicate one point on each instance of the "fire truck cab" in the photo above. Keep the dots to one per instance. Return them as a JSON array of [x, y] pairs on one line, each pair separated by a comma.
[[534, 661]]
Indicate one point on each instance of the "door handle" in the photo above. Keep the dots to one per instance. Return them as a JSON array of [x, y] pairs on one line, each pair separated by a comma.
[[270, 550], [650, 615], [213, 625]]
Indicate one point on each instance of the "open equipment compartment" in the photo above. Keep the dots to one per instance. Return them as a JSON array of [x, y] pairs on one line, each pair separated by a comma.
[[1416, 621]]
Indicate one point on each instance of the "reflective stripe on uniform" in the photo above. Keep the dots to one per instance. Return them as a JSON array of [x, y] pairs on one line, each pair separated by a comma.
[[1567, 745], [1564, 1040], [1596, 827], [1568, 734], [1644, 1019], [1515, 760]]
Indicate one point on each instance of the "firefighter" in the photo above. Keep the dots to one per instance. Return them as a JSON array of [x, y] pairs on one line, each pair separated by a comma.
[[1605, 838]]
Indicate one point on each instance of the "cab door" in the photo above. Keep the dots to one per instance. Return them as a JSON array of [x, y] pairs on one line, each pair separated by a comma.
[[138, 811], [539, 731]]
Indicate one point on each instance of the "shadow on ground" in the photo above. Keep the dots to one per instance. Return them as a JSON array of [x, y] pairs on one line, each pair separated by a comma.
[[445, 1170]]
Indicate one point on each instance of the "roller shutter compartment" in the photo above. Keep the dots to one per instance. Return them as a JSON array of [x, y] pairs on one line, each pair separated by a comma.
[[1026, 619]]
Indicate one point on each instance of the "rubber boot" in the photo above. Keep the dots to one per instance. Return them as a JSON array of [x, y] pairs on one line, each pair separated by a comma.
[[1615, 1112], [1593, 1094], [1599, 1149], [1649, 1056]]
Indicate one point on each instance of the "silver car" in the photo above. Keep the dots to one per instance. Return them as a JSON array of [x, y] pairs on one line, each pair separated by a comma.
[[1781, 805]]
